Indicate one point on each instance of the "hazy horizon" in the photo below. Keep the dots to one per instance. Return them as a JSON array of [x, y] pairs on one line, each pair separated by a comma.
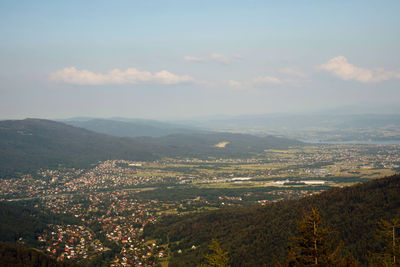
[[179, 60], [341, 110]]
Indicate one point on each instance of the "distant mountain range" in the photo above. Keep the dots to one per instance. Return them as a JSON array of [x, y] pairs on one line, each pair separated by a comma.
[[315, 127], [278, 122], [30, 144], [327, 126], [132, 127]]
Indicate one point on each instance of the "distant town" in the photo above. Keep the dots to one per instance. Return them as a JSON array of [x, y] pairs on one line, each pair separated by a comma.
[[114, 200]]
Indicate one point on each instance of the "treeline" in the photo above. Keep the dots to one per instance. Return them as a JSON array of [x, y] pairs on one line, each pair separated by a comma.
[[16, 256], [179, 193], [258, 235], [317, 244], [22, 224], [19, 230]]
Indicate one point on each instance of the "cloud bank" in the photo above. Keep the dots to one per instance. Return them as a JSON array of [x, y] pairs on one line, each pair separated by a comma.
[[71, 75], [341, 68]]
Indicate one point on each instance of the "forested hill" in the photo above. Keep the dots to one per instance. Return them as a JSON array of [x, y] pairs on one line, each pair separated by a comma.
[[31, 144], [254, 236], [21, 256], [23, 224]]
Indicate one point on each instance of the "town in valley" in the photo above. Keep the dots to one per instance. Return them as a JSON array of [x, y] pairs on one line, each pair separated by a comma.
[[113, 201]]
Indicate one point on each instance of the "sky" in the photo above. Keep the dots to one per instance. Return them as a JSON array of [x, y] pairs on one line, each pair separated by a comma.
[[182, 59]]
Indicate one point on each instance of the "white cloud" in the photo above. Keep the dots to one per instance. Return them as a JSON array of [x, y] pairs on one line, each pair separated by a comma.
[[341, 68], [293, 72], [72, 75], [261, 80], [220, 58]]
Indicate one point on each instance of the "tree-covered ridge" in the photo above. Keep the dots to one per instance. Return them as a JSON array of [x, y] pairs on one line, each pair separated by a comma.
[[30, 144], [22, 224], [259, 235], [12, 256]]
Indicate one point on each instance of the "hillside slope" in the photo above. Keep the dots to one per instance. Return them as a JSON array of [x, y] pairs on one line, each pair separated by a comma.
[[11, 256], [30, 144], [257, 235], [22, 223]]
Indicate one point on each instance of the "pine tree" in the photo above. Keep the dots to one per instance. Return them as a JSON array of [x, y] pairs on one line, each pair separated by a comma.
[[314, 244], [388, 234], [218, 257]]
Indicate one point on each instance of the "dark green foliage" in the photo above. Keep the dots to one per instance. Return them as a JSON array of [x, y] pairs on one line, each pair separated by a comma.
[[388, 235], [313, 246], [181, 193], [218, 257], [11, 256], [349, 261], [256, 235], [18, 222]]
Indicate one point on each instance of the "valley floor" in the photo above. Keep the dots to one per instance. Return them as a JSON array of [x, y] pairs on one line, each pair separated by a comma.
[[115, 200]]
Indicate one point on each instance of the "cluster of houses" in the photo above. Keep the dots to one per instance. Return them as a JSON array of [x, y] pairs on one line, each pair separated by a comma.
[[70, 242], [122, 218], [111, 174]]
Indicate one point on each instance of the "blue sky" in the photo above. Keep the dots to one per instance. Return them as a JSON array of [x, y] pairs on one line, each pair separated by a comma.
[[169, 59]]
